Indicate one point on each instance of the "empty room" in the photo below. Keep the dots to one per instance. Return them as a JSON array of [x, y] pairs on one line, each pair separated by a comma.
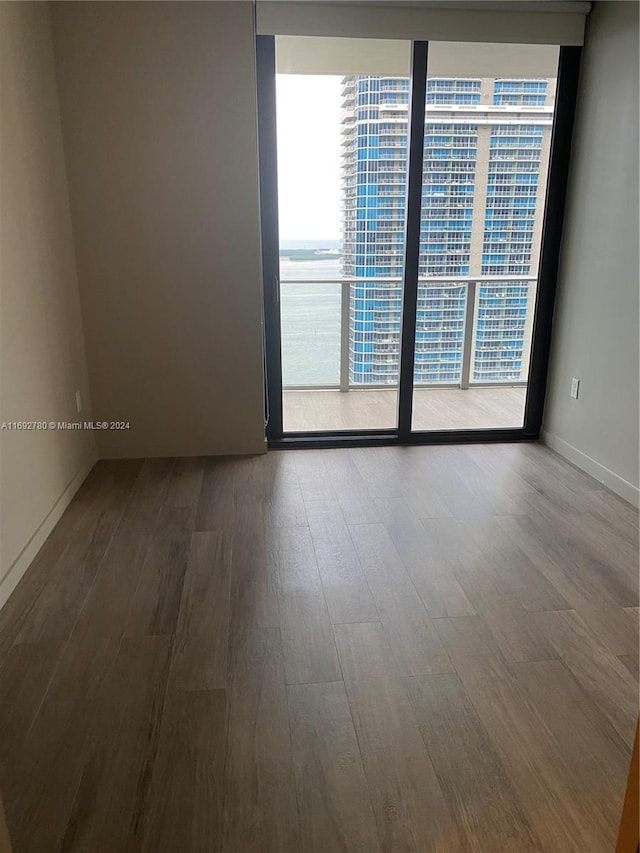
[[319, 426]]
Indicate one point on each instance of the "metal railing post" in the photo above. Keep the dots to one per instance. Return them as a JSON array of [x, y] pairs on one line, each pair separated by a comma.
[[467, 342], [528, 330], [345, 323]]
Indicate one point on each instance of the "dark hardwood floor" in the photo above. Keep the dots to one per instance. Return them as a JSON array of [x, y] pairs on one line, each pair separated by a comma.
[[392, 650]]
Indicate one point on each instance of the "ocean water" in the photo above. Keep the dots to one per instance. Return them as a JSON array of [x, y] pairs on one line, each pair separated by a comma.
[[310, 321], [311, 244]]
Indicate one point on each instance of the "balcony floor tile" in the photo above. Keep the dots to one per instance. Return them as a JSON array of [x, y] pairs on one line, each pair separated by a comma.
[[434, 409]]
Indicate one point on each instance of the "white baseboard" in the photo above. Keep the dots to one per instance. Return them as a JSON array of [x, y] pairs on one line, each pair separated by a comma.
[[25, 557], [609, 478]]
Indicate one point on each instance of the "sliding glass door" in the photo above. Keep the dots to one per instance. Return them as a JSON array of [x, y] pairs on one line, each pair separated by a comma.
[[488, 121], [404, 195], [342, 124]]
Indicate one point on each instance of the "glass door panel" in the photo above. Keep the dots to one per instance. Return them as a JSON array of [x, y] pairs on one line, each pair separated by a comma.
[[488, 118], [342, 122]]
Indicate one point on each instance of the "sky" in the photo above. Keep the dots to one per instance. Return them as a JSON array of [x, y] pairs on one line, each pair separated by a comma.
[[308, 119]]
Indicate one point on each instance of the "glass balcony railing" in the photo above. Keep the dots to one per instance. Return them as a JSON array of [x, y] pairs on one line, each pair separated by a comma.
[[345, 333], [311, 317]]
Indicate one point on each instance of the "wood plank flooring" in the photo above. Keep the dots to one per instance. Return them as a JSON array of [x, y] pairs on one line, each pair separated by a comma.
[[390, 650]]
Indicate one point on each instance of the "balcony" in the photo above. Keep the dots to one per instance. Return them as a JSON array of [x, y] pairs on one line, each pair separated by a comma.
[[340, 352], [433, 409]]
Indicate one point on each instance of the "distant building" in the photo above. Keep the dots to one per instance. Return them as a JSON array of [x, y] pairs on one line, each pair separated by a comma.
[[486, 154]]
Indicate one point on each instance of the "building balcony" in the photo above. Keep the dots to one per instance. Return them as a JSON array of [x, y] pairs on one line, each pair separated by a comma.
[[340, 353], [433, 409]]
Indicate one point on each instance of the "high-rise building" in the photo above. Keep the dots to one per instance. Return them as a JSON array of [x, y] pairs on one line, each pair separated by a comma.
[[486, 151]]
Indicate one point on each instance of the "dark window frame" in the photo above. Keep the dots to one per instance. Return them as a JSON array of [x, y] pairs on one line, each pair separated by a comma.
[[553, 221]]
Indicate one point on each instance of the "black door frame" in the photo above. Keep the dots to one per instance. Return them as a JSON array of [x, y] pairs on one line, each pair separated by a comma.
[[269, 235], [561, 136], [413, 226]]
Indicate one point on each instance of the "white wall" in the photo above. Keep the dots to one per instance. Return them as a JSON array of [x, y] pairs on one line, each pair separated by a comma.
[[595, 332], [42, 359], [159, 119]]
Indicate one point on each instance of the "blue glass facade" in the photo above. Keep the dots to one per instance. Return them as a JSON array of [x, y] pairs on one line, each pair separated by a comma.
[[455, 219], [509, 225]]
